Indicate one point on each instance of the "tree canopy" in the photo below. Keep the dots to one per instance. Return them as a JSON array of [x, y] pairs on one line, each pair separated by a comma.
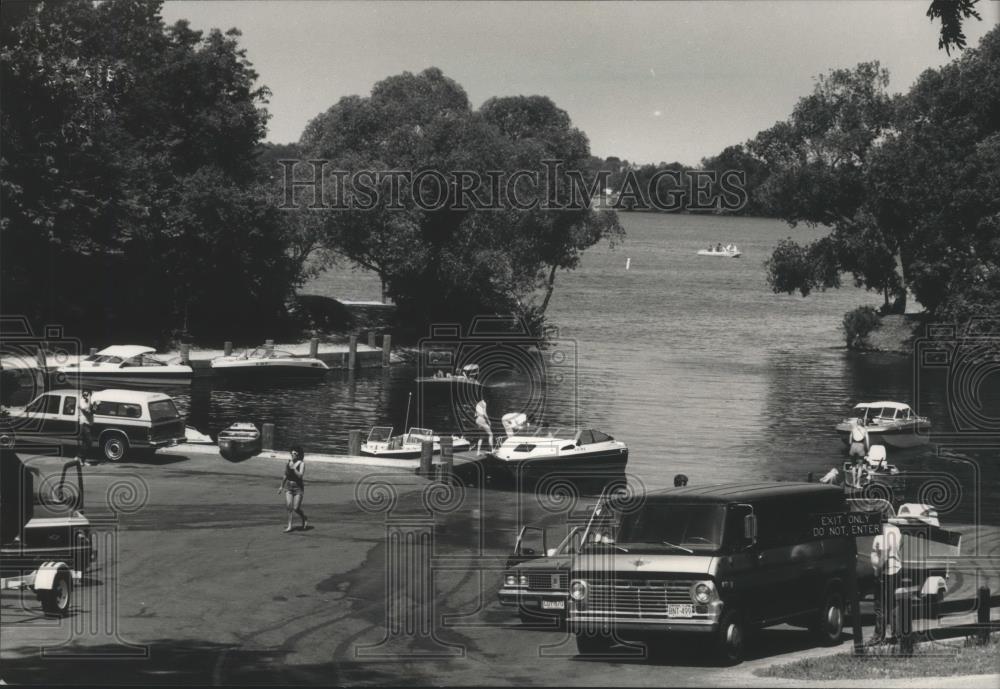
[[908, 185], [128, 174], [455, 260]]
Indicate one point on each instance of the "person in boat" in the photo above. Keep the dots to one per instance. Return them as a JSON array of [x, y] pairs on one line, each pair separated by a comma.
[[293, 483], [483, 421], [439, 373], [859, 441], [514, 422], [718, 247]]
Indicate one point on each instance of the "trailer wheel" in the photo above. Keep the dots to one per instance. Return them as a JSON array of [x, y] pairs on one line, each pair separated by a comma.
[[56, 601], [114, 446]]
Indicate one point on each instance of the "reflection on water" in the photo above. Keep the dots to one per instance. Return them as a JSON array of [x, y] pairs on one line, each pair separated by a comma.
[[692, 362]]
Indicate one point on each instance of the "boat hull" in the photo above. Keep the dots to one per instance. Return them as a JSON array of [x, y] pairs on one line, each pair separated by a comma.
[[254, 371], [581, 467], [898, 436], [411, 451], [135, 376]]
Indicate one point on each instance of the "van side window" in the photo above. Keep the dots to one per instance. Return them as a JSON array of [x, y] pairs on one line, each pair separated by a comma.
[[131, 411], [69, 405], [106, 408]]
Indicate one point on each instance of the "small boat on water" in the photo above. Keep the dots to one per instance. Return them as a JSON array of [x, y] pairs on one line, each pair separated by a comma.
[[239, 441], [467, 375], [573, 453], [875, 471], [267, 363], [382, 443], [126, 364], [730, 251], [888, 423]]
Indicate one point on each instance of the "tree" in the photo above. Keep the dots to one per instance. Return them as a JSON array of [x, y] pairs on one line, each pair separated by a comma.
[[952, 14], [818, 162], [129, 148], [455, 261]]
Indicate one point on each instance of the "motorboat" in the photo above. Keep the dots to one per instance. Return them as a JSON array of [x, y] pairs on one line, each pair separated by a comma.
[[239, 441], [382, 443], [266, 363], [467, 375], [126, 364], [888, 423], [573, 453], [731, 251], [875, 475]]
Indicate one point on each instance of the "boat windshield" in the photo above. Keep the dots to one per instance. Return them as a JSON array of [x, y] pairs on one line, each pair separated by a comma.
[[672, 527], [420, 433], [380, 434], [106, 359]]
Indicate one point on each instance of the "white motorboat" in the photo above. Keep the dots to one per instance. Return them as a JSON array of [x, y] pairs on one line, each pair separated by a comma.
[[266, 363], [888, 423], [382, 443], [573, 453], [467, 375], [731, 251], [126, 364]]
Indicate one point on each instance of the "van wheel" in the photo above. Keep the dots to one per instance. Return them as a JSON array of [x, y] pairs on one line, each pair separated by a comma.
[[828, 624], [55, 602], [114, 447], [593, 643], [732, 638]]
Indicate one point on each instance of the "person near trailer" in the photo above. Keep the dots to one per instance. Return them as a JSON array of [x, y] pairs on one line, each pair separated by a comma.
[[888, 565], [293, 483], [86, 421], [859, 441]]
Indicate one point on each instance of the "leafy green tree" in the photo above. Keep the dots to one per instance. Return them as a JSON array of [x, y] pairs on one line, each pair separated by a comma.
[[452, 262], [818, 162], [129, 147], [952, 14]]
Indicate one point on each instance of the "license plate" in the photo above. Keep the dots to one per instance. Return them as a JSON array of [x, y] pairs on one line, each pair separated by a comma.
[[556, 605], [680, 610]]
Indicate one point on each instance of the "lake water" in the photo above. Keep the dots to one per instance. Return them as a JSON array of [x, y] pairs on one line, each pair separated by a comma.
[[692, 361]]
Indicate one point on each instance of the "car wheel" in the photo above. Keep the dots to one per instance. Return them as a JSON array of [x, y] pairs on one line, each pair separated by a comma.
[[593, 643], [731, 638], [56, 601], [828, 624], [114, 447]]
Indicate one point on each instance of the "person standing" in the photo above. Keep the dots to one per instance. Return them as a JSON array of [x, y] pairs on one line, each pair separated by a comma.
[[859, 440], [293, 483], [887, 564], [85, 421], [483, 421]]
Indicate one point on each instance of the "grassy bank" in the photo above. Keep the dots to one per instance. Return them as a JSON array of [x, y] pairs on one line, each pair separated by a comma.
[[928, 660]]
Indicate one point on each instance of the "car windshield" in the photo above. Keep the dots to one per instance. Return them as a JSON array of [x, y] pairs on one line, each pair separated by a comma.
[[162, 410], [673, 527]]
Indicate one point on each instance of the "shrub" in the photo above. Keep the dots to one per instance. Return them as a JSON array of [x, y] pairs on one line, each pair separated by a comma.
[[858, 324]]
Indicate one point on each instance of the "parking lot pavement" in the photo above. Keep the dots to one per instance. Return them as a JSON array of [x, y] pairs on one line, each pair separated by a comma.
[[196, 582]]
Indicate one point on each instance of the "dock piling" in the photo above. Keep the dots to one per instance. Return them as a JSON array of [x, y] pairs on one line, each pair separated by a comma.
[[447, 458], [227, 348], [354, 443], [983, 615], [386, 349], [426, 458], [371, 339], [352, 352], [267, 436], [314, 347], [185, 353]]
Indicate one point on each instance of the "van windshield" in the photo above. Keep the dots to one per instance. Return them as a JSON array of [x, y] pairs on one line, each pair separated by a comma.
[[673, 527]]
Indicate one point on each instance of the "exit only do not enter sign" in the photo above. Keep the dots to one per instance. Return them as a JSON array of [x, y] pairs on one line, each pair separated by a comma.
[[845, 524]]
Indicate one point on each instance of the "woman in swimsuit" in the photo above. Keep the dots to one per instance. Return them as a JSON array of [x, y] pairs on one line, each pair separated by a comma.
[[483, 421], [293, 483]]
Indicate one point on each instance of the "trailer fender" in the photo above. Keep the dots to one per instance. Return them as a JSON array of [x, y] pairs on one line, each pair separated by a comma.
[[45, 576]]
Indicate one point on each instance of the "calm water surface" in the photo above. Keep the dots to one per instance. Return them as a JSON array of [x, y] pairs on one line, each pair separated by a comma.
[[690, 360]]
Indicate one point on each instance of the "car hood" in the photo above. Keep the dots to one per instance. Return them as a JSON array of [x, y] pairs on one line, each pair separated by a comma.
[[547, 563], [655, 564]]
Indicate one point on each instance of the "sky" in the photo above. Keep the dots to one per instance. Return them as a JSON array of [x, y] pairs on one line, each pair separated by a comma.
[[646, 81]]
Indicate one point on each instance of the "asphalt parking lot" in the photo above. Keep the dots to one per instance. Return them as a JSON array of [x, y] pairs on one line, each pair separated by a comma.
[[394, 582]]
